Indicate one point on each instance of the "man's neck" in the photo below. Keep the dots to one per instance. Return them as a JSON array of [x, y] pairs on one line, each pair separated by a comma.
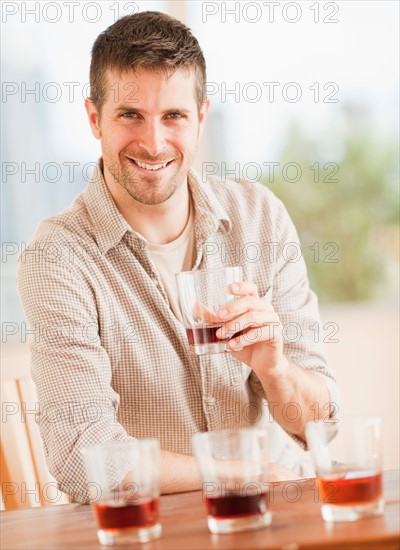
[[159, 223]]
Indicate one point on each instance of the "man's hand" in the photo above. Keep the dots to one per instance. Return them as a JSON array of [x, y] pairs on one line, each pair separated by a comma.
[[255, 330]]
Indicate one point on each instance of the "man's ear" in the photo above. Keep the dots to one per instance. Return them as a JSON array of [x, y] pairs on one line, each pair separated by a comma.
[[203, 113], [94, 118]]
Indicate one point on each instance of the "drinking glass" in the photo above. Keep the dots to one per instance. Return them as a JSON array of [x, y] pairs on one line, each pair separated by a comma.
[[234, 468], [347, 455], [201, 294], [123, 480]]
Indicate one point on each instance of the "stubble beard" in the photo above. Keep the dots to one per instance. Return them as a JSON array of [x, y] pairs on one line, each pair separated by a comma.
[[145, 189]]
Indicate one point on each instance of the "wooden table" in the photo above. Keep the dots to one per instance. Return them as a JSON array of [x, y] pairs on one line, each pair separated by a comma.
[[296, 524]]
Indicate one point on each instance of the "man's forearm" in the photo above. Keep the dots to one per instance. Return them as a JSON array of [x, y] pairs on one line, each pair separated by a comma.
[[178, 473], [290, 384], [292, 392]]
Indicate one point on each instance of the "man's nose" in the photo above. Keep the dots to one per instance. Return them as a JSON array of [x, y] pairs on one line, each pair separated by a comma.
[[152, 138]]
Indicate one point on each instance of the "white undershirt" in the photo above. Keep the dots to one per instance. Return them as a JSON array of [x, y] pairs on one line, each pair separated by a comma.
[[174, 257]]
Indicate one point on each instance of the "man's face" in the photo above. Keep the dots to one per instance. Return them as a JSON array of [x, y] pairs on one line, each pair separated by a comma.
[[149, 127]]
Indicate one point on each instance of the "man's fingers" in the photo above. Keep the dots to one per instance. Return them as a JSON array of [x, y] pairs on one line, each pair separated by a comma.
[[252, 318], [244, 288], [266, 333], [238, 307]]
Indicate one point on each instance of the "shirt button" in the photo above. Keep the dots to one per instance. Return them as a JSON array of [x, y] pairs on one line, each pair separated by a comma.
[[210, 400], [210, 405]]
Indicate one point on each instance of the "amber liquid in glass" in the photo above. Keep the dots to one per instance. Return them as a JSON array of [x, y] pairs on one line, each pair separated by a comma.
[[236, 505], [203, 335], [355, 487], [121, 516]]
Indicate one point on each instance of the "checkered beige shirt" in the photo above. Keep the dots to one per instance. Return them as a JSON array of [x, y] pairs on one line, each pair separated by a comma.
[[109, 358]]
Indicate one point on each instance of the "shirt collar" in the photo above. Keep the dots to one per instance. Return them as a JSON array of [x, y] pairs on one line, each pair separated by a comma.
[[110, 226], [209, 213]]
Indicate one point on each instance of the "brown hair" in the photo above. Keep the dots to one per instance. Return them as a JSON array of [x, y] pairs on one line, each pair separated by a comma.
[[148, 40]]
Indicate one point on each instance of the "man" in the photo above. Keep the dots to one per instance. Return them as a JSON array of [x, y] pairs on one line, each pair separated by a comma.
[[110, 357]]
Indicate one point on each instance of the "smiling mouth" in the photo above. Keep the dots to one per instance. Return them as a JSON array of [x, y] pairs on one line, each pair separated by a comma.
[[150, 167]]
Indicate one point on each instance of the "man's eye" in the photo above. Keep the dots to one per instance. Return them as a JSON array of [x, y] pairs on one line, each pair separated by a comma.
[[129, 115], [174, 115]]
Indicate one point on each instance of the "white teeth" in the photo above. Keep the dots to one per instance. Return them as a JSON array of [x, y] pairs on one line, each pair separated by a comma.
[[150, 166]]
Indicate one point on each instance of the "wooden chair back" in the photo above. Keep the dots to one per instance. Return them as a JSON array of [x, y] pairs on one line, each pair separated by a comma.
[[25, 479]]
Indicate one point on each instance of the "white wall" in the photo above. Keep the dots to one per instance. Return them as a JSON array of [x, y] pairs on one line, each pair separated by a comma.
[[366, 362]]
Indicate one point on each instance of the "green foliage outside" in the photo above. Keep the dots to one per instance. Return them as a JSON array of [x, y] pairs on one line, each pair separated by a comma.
[[357, 213]]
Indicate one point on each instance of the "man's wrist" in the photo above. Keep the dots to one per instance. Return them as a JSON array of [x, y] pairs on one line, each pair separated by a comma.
[[281, 370]]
